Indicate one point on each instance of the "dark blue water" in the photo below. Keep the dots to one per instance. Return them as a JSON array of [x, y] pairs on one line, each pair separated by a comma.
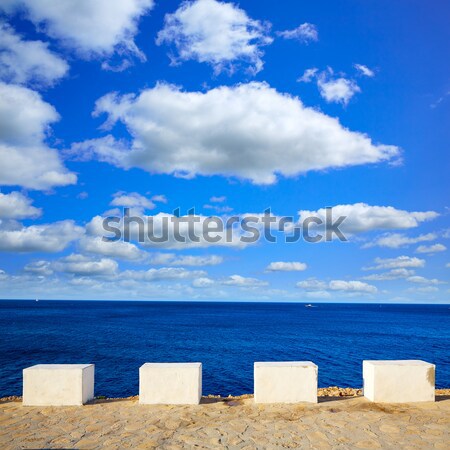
[[226, 337]]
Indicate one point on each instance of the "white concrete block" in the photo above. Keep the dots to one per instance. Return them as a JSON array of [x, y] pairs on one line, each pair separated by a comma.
[[58, 384], [170, 383], [401, 381], [285, 382]]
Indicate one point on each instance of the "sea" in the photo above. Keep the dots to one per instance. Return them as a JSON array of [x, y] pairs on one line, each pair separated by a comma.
[[227, 338]]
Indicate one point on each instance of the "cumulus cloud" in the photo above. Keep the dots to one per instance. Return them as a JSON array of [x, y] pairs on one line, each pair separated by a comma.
[[118, 249], [336, 90], [220, 209], [164, 273], [50, 238], [313, 284], [361, 217], [92, 28], [306, 33], [26, 159], [167, 231], [17, 206], [280, 266], [245, 282], [249, 131], [423, 280], [397, 240], [424, 289], [105, 149], [393, 274], [364, 70], [171, 259], [333, 88], [430, 249], [41, 268], [81, 265], [136, 201], [203, 282], [28, 62], [352, 286], [218, 33], [396, 263]]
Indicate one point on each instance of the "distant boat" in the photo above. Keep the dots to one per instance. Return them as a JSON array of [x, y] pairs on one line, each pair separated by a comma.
[[309, 306], [37, 299]]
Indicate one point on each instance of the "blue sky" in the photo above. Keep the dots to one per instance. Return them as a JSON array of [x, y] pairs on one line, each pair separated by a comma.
[[228, 108]]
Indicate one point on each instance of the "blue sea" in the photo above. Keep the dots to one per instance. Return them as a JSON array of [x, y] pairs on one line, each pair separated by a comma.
[[226, 337]]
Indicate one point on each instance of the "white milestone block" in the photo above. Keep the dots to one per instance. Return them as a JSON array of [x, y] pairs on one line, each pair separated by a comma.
[[401, 381], [58, 384], [285, 382], [170, 383]]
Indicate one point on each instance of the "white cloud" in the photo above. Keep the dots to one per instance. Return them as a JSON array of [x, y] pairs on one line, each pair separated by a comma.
[[423, 280], [162, 229], [165, 273], [50, 238], [132, 200], [217, 33], [106, 149], [361, 217], [83, 195], [313, 284], [352, 286], [308, 75], [306, 33], [245, 282], [337, 90], [26, 160], [332, 88], [364, 70], [436, 248], [424, 289], [23, 62], [393, 274], [218, 199], [17, 206], [396, 263], [317, 295], [159, 198], [280, 266], [219, 209], [92, 28], [117, 249], [203, 282], [249, 131], [440, 100], [397, 240], [42, 268], [171, 259], [81, 265]]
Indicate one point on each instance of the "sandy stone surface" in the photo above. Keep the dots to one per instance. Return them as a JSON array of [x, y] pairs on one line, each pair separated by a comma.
[[345, 421]]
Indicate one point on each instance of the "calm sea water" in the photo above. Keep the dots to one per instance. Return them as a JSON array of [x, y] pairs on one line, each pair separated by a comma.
[[226, 337]]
